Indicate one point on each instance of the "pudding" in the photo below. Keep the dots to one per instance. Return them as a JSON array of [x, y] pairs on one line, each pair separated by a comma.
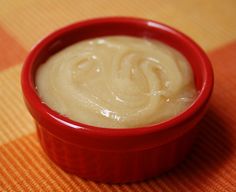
[[117, 82]]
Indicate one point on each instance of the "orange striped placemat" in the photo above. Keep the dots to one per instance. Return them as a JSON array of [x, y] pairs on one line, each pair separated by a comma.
[[211, 165]]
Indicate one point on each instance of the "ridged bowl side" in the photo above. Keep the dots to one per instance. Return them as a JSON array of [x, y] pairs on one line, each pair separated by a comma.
[[115, 166]]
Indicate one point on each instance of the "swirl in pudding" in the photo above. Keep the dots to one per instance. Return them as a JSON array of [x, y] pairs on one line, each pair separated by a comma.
[[117, 82]]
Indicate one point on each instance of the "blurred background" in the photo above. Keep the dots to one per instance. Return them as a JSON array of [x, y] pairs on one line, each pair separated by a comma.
[[211, 23]]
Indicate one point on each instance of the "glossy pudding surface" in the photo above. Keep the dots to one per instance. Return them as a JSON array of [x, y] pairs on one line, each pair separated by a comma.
[[117, 82]]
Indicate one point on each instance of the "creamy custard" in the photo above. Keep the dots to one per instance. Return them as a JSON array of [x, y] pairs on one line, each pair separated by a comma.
[[117, 82]]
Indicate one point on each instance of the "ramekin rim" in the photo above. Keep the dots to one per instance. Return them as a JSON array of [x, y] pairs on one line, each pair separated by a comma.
[[31, 95]]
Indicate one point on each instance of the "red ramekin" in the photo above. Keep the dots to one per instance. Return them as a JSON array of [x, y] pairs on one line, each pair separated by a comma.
[[116, 155]]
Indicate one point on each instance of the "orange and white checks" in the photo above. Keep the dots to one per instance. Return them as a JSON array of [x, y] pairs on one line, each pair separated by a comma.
[[211, 165]]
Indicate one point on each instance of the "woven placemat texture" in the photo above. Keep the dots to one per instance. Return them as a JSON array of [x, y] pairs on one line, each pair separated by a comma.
[[210, 166]]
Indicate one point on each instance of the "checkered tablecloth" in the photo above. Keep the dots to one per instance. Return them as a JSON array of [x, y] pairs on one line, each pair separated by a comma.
[[211, 165]]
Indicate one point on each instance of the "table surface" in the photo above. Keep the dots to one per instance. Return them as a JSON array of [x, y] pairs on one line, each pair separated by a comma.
[[210, 166]]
